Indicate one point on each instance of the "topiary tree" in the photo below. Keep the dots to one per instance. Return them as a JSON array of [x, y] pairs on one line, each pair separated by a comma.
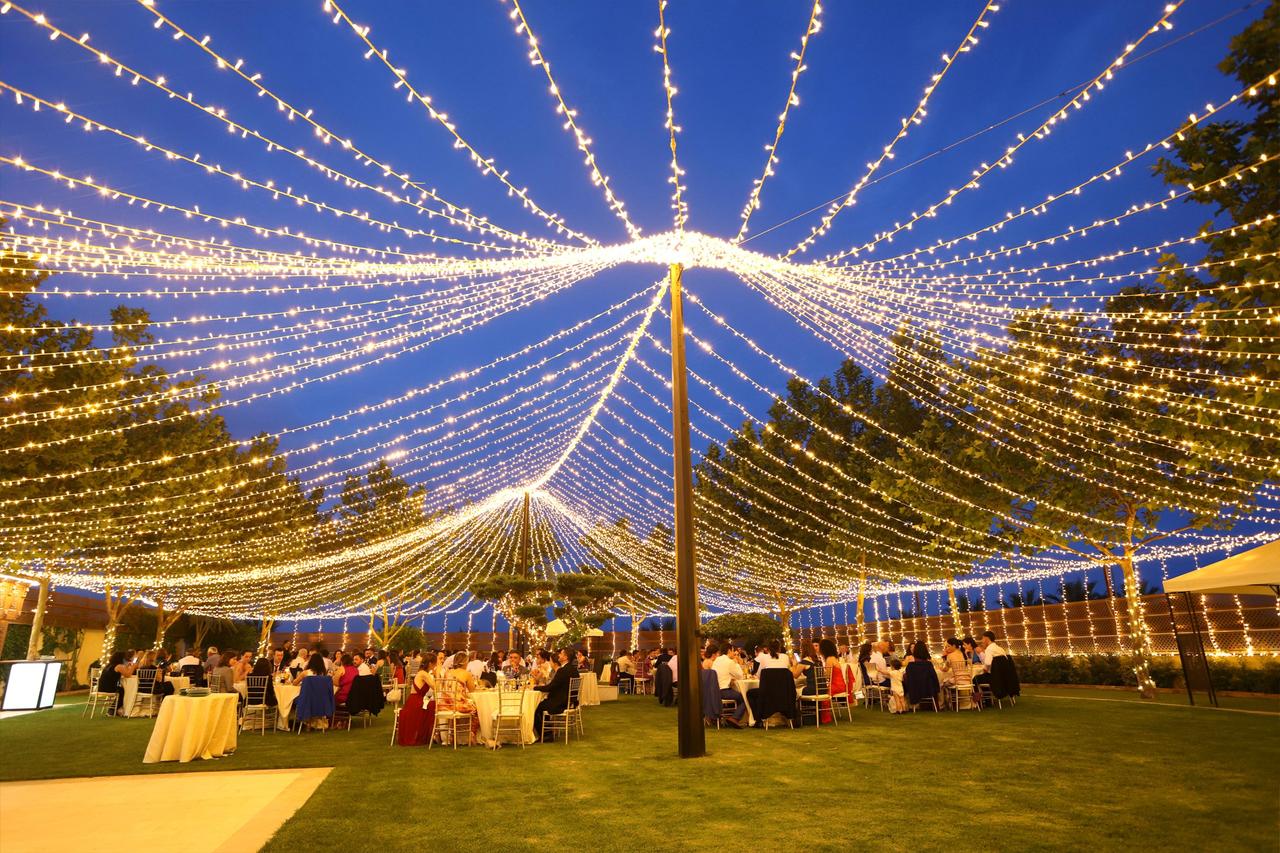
[[745, 629]]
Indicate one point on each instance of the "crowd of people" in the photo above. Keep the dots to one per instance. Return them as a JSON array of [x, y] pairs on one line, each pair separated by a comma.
[[900, 681], [438, 680]]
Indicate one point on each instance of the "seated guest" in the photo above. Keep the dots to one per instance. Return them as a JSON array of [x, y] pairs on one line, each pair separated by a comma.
[[279, 660], [495, 663], [477, 666], [514, 667], [361, 664], [344, 673], [458, 698], [877, 668], [920, 679], [542, 669], [810, 662], [834, 662], [771, 658], [189, 659], [111, 680], [953, 661], [240, 667], [970, 648], [626, 670], [990, 651], [299, 662], [557, 690], [728, 671], [315, 670], [264, 667], [581, 662], [162, 687], [221, 678], [212, 659]]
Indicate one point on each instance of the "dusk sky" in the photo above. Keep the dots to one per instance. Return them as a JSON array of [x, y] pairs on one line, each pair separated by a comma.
[[730, 62]]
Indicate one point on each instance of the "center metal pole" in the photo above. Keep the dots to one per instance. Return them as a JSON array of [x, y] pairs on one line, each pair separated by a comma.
[[693, 742]]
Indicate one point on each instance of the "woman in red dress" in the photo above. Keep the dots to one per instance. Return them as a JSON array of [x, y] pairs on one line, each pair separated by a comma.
[[417, 717]]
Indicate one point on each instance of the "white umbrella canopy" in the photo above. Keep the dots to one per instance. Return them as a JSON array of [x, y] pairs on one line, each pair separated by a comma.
[[595, 632], [557, 627], [1252, 572]]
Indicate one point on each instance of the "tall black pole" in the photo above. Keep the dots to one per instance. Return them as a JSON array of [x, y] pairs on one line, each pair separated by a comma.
[[693, 742]]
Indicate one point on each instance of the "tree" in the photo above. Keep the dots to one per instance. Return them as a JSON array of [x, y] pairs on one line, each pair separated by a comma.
[[746, 629], [377, 506]]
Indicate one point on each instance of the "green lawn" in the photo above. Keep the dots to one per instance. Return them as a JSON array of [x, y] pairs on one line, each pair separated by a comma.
[[1052, 772]]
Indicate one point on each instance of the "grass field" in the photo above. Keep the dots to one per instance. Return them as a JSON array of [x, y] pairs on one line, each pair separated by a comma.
[[1058, 770]]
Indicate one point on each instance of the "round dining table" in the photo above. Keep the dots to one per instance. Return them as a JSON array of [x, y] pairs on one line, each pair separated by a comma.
[[190, 727], [487, 701]]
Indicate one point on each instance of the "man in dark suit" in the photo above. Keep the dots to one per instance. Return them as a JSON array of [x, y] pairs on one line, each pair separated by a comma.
[[557, 690]]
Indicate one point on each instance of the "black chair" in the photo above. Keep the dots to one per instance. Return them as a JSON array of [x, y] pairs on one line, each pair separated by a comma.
[[195, 672], [662, 685], [366, 697], [1004, 679], [775, 695]]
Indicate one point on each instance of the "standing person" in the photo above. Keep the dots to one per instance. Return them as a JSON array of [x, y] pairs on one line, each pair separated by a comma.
[[557, 690], [728, 670], [417, 717]]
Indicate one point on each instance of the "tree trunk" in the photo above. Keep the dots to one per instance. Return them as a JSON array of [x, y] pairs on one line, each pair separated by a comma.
[[862, 600], [37, 620], [116, 603], [202, 625], [955, 605], [164, 621], [264, 636], [1139, 640]]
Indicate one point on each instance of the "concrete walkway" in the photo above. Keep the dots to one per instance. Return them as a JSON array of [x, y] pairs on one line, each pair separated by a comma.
[[105, 813]]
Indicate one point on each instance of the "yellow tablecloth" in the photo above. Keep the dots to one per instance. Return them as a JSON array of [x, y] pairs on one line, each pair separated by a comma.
[[589, 690], [487, 705], [130, 686], [190, 727]]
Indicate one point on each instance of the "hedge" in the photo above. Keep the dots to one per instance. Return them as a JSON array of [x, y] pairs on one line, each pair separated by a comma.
[[1254, 675]]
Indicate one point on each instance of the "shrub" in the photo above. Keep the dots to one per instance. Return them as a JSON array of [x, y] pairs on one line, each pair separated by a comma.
[[1253, 675]]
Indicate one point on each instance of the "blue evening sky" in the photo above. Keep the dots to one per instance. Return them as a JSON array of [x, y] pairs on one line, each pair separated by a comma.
[[731, 63]]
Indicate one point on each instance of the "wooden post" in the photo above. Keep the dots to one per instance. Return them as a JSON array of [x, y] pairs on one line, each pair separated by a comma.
[[524, 538], [692, 737]]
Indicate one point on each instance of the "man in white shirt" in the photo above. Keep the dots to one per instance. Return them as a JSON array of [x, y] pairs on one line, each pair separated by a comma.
[[476, 666], [726, 670], [877, 669], [625, 671], [188, 660], [990, 651], [675, 668], [362, 668]]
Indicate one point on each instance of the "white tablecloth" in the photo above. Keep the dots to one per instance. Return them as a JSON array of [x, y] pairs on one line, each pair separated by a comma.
[[286, 695], [130, 685], [190, 727], [743, 685], [589, 690], [487, 705]]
